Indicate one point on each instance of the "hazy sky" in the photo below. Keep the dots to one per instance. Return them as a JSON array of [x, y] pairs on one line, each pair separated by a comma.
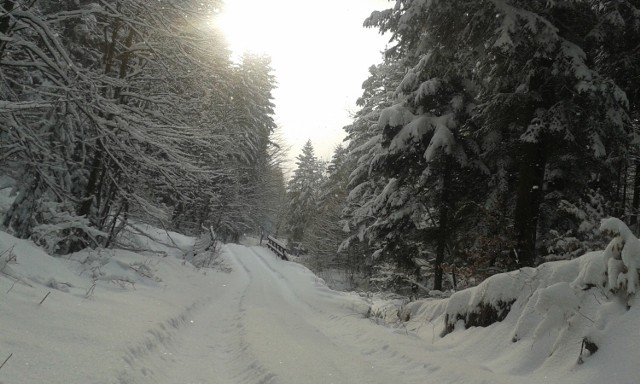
[[320, 54]]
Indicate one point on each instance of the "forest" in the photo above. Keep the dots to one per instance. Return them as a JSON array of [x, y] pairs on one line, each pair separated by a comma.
[[115, 111], [492, 135]]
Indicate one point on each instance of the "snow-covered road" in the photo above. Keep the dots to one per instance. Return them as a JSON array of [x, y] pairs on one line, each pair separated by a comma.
[[110, 316], [275, 322]]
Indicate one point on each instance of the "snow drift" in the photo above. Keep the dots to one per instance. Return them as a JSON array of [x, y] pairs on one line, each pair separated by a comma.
[[115, 316], [577, 316]]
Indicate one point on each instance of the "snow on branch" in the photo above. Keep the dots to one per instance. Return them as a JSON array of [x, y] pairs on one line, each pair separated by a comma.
[[622, 256], [395, 116]]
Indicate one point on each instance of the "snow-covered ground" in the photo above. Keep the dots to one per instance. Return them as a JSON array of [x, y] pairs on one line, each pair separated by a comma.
[[114, 316]]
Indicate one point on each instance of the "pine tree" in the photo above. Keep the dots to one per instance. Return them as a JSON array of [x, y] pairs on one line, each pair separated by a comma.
[[325, 231], [304, 194], [364, 143], [547, 103], [420, 153], [505, 117]]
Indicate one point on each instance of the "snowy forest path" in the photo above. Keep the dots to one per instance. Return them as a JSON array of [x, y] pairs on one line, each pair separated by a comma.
[[274, 322]]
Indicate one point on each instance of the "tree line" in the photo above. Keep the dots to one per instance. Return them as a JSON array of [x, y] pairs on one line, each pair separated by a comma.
[[117, 111], [495, 134]]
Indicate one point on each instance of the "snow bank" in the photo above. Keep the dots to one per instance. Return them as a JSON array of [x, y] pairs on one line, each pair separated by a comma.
[[147, 238], [386, 308], [115, 316], [92, 314], [567, 317]]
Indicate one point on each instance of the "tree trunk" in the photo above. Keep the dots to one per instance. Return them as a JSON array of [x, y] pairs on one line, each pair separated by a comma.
[[124, 64], [618, 204], [5, 22], [625, 177], [528, 200], [89, 195], [635, 202], [443, 224]]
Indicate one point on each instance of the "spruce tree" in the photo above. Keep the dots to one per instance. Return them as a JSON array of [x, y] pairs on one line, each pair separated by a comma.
[[304, 193], [509, 113]]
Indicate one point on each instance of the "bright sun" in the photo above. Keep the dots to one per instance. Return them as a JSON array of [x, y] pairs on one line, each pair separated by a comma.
[[250, 26]]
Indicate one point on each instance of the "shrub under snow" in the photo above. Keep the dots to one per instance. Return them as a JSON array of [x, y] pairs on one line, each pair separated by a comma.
[[569, 306]]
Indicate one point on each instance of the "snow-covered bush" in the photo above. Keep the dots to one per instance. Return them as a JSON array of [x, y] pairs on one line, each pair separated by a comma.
[[550, 296], [57, 228], [583, 234], [386, 276], [622, 258], [485, 304], [392, 277]]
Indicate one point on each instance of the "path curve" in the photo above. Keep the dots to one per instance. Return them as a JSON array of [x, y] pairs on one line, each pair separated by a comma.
[[274, 322]]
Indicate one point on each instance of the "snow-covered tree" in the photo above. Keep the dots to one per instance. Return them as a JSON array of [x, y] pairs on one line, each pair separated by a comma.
[[112, 110], [232, 195], [545, 113], [420, 150], [506, 116], [324, 234], [364, 138], [304, 193], [613, 43]]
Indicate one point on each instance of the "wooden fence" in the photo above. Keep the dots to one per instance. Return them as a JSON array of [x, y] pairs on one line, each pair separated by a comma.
[[277, 247]]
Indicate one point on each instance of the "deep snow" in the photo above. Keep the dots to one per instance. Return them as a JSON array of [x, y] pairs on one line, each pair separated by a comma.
[[115, 316]]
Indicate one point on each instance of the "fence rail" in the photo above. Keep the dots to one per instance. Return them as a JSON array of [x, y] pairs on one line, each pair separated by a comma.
[[277, 247]]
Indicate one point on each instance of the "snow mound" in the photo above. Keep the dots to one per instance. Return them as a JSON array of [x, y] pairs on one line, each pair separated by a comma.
[[92, 314], [572, 316], [149, 239], [386, 308], [622, 257]]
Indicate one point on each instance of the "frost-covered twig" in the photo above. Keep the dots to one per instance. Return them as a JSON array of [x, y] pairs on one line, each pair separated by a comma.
[[7, 257], [5, 360], [16, 279], [91, 289], [10, 257], [10, 288], [44, 298], [138, 250], [140, 232], [169, 236]]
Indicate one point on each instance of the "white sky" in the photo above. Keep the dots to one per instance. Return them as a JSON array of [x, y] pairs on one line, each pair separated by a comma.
[[320, 54]]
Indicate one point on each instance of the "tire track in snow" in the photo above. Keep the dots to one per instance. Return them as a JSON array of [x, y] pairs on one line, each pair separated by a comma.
[[379, 349], [285, 284], [271, 324], [207, 346], [319, 293], [248, 369], [289, 332], [383, 356], [155, 339]]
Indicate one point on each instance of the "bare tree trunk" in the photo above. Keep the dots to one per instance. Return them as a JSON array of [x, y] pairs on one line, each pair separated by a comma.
[[625, 176], [618, 204], [635, 202], [88, 198], [5, 22], [529, 198], [443, 224]]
